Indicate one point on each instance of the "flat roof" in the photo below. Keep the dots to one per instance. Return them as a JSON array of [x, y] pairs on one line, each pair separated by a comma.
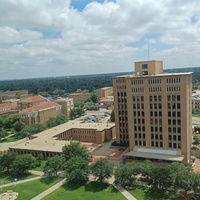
[[47, 140], [155, 75], [155, 156]]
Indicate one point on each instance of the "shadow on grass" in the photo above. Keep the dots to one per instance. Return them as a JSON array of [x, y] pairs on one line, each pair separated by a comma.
[[48, 180], [7, 178], [73, 185], [95, 186]]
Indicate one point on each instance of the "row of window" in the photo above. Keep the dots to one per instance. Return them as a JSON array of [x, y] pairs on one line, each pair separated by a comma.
[[154, 81], [155, 98], [137, 90], [173, 97], [155, 89], [173, 80], [120, 80], [174, 114], [121, 94], [174, 130], [138, 98], [155, 106], [174, 122], [137, 82], [174, 137], [156, 114], [174, 106], [158, 144], [173, 89]]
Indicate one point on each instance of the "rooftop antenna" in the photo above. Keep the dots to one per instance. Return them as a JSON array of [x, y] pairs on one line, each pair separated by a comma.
[[148, 48]]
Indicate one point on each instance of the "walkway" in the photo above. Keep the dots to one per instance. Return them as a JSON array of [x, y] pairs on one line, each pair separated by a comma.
[[124, 192], [22, 181], [50, 190]]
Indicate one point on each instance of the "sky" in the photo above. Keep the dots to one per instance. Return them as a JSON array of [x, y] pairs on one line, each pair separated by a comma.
[[50, 38]]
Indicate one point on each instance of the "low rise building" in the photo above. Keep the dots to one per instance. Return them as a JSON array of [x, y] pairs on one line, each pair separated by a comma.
[[20, 94], [40, 113], [50, 142], [8, 108], [80, 97], [104, 92], [30, 101]]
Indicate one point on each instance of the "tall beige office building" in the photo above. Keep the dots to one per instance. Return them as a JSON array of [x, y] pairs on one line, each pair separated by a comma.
[[153, 112]]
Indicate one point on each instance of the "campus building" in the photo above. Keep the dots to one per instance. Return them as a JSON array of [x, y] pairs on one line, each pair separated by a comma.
[[30, 101], [80, 97], [40, 113], [196, 102], [67, 105], [51, 141], [8, 108], [104, 92], [153, 112]]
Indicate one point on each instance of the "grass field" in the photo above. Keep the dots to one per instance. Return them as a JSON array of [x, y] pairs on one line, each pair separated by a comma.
[[85, 191], [195, 115], [5, 177], [31, 189]]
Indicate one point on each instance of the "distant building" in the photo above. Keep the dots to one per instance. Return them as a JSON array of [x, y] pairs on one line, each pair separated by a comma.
[[8, 108], [80, 97], [104, 92], [153, 112], [40, 113], [67, 105], [19, 94], [30, 101], [196, 102]]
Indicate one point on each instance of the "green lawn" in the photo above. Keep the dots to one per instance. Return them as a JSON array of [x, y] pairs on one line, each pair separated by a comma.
[[31, 189], [195, 115], [41, 167], [87, 190], [12, 138], [6, 178], [146, 194]]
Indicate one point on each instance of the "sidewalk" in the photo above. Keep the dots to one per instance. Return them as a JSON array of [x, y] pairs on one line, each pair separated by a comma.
[[50, 190], [22, 181]]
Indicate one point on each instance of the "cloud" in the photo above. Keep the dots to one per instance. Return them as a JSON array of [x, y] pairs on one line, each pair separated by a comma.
[[52, 38]]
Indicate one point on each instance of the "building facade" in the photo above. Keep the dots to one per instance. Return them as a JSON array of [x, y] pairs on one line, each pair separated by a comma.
[[40, 113], [80, 97], [153, 112], [30, 102], [17, 94], [196, 102], [67, 105], [104, 92]]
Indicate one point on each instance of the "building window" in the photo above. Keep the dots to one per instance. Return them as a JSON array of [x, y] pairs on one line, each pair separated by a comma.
[[136, 142], [170, 145], [170, 137], [152, 136], [161, 144], [144, 66], [152, 144]]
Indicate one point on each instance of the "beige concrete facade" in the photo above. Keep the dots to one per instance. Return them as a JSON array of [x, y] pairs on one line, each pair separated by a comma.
[[104, 92], [80, 97], [154, 110], [40, 113], [67, 105], [196, 102], [50, 142]]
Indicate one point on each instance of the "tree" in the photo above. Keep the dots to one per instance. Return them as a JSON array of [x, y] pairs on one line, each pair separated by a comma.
[[18, 126], [101, 169], [124, 176], [181, 177], [22, 164], [53, 165], [7, 160], [159, 178], [196, 140], [112, 116], [75, 149], [76, 169], [76, 112], [93, 98]]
